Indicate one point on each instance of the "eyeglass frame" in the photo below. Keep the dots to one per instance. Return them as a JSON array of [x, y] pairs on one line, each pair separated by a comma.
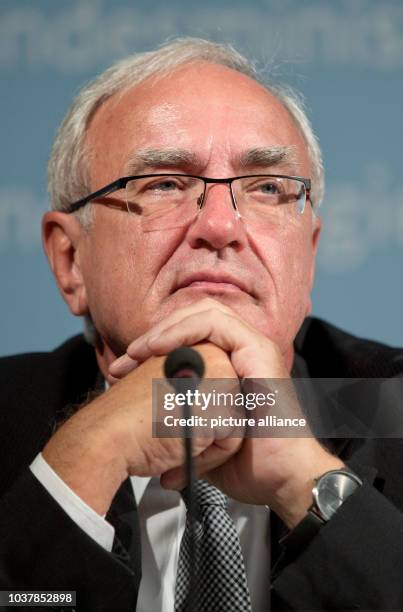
[[121, 183]]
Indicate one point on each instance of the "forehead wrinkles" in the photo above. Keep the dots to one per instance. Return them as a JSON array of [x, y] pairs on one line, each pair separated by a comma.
[[162, 113], [163, 123], [141, 117], [174, 126]]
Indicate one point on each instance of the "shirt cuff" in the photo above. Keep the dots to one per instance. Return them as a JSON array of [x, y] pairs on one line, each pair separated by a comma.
[[85, 517]]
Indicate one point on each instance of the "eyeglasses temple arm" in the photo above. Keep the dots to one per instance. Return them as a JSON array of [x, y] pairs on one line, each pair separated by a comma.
[[118, 184]]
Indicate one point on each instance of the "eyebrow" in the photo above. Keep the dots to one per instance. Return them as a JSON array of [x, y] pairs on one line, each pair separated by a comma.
[[144, 159], [261, 157], [264, 157]]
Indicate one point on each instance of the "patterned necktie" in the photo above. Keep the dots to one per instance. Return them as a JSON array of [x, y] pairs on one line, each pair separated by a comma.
[[220, 572]]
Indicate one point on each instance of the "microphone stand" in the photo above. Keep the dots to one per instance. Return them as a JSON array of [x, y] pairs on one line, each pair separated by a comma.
[[185, 368], [185, 384]]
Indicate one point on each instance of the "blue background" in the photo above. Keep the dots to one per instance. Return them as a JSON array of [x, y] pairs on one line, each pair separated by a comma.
[[345, 56]]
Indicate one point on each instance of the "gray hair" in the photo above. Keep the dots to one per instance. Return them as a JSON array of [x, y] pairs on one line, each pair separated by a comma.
[[68, 175]]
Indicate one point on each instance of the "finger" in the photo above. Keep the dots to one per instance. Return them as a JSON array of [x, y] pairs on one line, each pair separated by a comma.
[[112, 380], [122, 366], [214, 456], [208, 325], [139, 350], [252, 354], [174, 479], [136, 348]]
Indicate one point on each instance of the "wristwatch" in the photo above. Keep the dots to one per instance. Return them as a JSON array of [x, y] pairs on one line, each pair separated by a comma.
[[329, 493]]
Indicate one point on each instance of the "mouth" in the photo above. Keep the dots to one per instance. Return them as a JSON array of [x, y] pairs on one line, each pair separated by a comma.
[[211, 283]]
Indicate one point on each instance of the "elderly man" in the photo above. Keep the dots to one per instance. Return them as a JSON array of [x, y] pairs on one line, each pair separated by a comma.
[[184, 195]]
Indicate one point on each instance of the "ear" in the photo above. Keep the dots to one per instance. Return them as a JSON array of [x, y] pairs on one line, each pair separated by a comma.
[[316, 229], [62, 235]]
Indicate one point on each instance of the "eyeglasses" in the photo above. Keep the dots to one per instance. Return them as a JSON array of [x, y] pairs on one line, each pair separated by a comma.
[[164, 201]]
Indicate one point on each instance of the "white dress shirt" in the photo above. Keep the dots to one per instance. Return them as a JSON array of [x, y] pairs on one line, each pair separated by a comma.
[[162, 515]]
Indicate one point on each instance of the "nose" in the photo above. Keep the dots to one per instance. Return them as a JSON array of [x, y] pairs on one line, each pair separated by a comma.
[[218, 223]]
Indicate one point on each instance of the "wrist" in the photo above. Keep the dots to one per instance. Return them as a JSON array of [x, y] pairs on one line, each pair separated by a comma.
[[294, 498], [84, 459], [330, 492]]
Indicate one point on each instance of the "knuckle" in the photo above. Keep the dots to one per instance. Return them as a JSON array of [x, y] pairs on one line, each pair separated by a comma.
[[212, 306], [209, 302]]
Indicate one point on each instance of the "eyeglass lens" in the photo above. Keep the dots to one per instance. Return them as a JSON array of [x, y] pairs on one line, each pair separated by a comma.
[[172, 201]]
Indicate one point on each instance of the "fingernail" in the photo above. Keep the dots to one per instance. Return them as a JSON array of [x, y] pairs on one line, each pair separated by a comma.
[[118, 361], [123, 364], [111, 380]]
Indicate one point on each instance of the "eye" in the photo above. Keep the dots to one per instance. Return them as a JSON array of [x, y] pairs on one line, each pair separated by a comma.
[[269, 188], [263, 187], [166, 184]]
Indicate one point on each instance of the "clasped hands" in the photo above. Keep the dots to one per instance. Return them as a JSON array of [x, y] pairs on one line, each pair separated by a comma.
[[273, 471], [110, 438]]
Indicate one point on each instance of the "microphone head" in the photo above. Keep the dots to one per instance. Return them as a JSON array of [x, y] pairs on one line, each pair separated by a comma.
[[184, 362]]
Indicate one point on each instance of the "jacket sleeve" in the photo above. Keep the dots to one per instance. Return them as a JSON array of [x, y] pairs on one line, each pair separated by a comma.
[[353, 563], [41, 548]]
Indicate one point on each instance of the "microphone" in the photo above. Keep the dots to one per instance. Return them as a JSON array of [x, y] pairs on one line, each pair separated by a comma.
[[184, 367], [184, 362]]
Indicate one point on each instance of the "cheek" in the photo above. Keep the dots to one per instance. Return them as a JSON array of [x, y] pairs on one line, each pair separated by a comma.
[[294, 270], [109, 269], [110, 280], [287, 254], [122, 275], [288, 258]]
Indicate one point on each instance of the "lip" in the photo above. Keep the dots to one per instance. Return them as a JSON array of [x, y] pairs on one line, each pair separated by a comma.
[[210, 281]]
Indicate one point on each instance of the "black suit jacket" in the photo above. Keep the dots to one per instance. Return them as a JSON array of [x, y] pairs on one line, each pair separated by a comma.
[[355, 562]]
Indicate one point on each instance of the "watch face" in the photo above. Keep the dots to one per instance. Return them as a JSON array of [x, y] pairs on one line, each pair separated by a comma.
[[332, 490]]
